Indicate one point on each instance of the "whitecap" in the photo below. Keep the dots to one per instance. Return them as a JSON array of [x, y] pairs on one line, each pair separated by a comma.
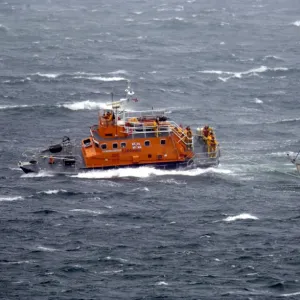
[[84, 105], [124, 72], [256, 100], [89, 211], [51, 192], [145, 189], [46, 249], [291, 294], [243, 216], [138, 12], [162, 283], [100, 78], [224, 79], [112, 272], [50, 75], [296, 23], [251, 72], [19, 262], [272, 57], [13, 106], [10, 198]]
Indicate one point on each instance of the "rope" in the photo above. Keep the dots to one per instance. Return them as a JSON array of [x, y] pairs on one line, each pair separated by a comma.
[[256, 163]]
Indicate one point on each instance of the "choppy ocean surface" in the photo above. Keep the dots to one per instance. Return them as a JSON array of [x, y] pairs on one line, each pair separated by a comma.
[[230, 232]]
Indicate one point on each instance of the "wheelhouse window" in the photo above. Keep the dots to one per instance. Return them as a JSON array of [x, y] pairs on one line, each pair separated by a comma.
[[87, 142], [123, 145], [115, 145], [147, 143], [103, 146], [162, 142]]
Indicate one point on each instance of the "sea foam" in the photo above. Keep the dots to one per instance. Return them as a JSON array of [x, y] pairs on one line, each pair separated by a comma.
[[84, 105], [10, 198], [144, 172], [243, 216]]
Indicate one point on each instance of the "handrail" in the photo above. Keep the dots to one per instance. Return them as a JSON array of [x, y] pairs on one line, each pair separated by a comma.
[[202, 156]]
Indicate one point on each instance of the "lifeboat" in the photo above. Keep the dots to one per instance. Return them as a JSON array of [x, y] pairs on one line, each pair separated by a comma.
[[124, 138]]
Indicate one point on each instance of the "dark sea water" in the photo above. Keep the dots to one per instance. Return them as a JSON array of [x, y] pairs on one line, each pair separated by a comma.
[[230, 232]]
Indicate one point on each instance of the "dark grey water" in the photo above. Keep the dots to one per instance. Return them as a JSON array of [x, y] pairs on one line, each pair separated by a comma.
[[230, 232]]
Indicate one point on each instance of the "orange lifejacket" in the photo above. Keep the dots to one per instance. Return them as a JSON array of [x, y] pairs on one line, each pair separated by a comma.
[[51, 160]]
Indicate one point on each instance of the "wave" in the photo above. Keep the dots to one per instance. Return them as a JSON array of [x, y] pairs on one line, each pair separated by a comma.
[[124, 72], [46, 249], [145, 172], [256, 100], [89, 211], [173, 182], [176, 8], [10, 198], [3, 28], [16, 80], [100, 78], [272, 57], [283, 121], [49, 75], [82, 105], [243, 216], [13, 106], [17, 262], [52, 192], [108, 77], [281, 154], [296, 23], [251, 72], [144, 189], [290, 294], [162, 283], [173, 19]]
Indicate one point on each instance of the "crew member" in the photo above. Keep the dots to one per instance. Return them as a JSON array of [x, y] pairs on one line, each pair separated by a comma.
[[189, 137], [205, 132], [211, 145], [51, 160], [155, 128]]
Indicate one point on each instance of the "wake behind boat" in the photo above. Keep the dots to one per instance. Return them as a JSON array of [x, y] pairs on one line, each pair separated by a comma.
[[123, 138]]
